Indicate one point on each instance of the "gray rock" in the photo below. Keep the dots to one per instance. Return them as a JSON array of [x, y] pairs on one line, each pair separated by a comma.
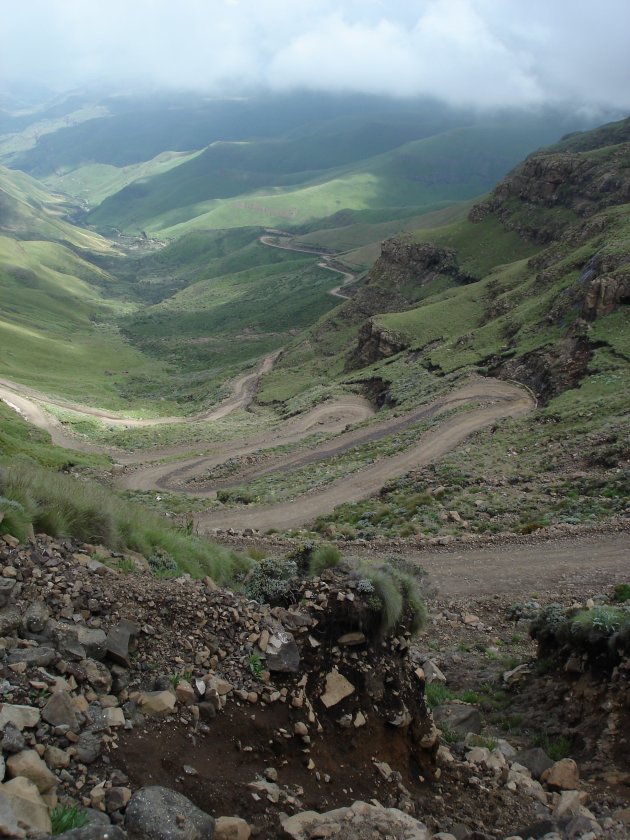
[[117, 644], [35, 656], [283, 655], [10, 620], [12, 739], [157, 813], [93, 832], [7, 590], [88, 747], [36, 617], [97, 674], [60, 711], [458, 717], [94, 641], [535, 759]]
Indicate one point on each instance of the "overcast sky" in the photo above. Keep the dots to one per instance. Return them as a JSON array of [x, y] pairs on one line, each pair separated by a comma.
[[483, 52]]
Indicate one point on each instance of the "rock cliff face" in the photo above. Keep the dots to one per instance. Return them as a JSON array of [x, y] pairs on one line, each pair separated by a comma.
[[578, 185], [396, 281]]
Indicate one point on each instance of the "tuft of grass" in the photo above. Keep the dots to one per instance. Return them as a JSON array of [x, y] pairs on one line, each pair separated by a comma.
[[65, 818], [325, 556], [556, 748], [621, 593], [436, 693]]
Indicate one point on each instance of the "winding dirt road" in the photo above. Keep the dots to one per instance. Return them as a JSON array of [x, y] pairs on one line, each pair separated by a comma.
[[28, 403], [493, 399], [273, 242]]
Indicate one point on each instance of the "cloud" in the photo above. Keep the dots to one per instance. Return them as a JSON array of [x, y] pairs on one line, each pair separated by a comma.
[[481, 52]]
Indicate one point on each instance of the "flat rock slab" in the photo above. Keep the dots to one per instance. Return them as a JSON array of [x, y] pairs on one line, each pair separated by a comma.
[[337, 689], [22, 717]]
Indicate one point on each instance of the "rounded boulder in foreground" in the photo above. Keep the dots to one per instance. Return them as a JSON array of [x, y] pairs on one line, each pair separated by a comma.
[[157, 813]]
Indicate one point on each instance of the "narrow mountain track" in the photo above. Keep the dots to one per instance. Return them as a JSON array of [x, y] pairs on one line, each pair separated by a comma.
[[28, 403], [491, 401], [324, 263]]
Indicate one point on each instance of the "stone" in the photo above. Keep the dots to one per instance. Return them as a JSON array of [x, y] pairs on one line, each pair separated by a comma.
[[116, 798], [154, 703], [88, 747], [22, 717], [352, 639], [10, 620], [7, 590], [97, 674], [157, 813], [563, 775], [535, 759], [231, 828], [118, 642], [29, 765], [432, 673], [35, 617], [359, 821], [571, 803], [185, 693], [93, 641], [27, 804], [282, 654], [458, 717], [60, 711], [12, 739], [8, 820], [471, 619], [95, 832], [33, 656], [337, 689], [55, 758]]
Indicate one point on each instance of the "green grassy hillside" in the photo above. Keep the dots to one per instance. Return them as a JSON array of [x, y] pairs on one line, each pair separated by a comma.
[[290, 181]]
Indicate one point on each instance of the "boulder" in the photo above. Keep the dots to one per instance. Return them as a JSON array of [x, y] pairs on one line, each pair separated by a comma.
[[535, 759], [8, 820], [33, 656], [10, 620], [283, 655], [153, 703], [458, 717], [22, 717], [97, 674], [94, 832], [29, 765], [157, 813], [60, 711], [231, 828], [563, 775], [27, 804], [359, 821]]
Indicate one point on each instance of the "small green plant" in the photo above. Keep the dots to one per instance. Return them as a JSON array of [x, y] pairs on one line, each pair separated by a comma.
[[449, 735], [621, 593], [556, 748], [436, 693], [64, 818], [325, 556], [256, 665], [125, 565], [174, 680]]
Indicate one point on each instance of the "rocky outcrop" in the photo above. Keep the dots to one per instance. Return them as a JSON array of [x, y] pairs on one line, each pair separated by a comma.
[[374, 343], [550, 370], [576, 184]]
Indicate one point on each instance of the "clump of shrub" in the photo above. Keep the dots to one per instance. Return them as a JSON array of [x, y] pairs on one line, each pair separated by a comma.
[[601, 632], [395, 597], [621, 593], [323, 557], [269, 581], [236, 495]]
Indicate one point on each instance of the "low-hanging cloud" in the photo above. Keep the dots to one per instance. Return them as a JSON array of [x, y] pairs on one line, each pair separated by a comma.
[[480, 52]]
